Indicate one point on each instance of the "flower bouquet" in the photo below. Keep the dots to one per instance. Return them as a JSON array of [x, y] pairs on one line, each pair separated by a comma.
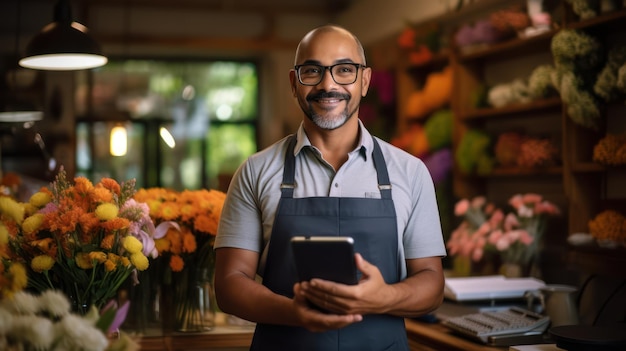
[[82, 239], [523, 229], [515, 236], [186, 256]]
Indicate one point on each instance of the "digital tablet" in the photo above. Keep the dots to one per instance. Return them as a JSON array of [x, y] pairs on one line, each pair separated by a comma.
[[325, 257]]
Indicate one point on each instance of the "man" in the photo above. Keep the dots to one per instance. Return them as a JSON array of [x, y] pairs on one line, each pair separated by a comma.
[[332, 177]]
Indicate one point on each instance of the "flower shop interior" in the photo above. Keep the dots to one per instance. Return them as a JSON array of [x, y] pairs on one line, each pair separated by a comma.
[[516, 107]]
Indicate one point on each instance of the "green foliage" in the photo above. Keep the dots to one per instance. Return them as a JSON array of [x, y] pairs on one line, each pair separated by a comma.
[[540, 84], [606, 85], [438, 129], [576, 49], [473, 152]]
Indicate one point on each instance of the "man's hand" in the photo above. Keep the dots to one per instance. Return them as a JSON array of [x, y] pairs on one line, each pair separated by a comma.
[[368, 296], [315, 320]]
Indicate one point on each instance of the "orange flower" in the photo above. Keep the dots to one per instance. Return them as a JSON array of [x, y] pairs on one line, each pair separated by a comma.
[[107, 242], [189, 242], [169, 211], [115, 224], [111, 185], [196, 213], [175, 239], [206, 224], [101, 194], [176, 263], [82, 186]]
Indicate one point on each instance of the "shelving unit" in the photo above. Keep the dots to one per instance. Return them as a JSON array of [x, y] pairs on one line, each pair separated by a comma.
[[579, 186]]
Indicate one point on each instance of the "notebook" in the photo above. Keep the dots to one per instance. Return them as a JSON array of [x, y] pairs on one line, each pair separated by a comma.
[[489, 287]]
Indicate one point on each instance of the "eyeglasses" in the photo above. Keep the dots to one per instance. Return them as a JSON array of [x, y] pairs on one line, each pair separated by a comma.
[[342, 73]]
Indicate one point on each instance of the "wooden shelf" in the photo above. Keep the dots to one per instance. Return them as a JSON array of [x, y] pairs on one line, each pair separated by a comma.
[[543, 105], [596, 260], [438, 62], [510, 48], [523, 172], [608, 19]]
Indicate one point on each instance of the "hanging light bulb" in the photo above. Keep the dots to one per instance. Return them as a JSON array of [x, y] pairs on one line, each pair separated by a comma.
[[63, 45], [167, 137], [119, 141]]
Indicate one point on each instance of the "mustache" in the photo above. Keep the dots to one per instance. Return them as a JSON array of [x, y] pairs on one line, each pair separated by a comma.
[[327, 95]]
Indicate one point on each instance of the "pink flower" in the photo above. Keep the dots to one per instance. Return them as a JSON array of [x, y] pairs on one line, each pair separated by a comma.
[[510, 222], [525, 238], [531, 198], [461, 207], [477, 255], [495, 236], [503, 243], [547, 208], [516, 201], [496, 218]]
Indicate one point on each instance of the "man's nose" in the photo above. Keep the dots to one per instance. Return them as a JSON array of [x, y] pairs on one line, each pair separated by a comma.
[[327, 78]]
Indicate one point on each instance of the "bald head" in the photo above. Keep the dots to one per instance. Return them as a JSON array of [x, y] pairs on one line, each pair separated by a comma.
[[322, 33]]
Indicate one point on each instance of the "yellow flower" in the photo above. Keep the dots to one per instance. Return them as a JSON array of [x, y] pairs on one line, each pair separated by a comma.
[[40, 199], [29, 209], [139, 261], [132, 244], [106, 211], [12, 209], [33, 223], [20, 279], [4, 234], [83, 260], [42, 263], [98, 256], [110, 266]]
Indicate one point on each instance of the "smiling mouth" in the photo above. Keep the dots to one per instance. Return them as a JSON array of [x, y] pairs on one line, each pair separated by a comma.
[[328, 101]]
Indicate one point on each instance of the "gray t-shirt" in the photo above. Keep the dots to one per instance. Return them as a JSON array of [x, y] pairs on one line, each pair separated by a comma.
[[254, 192]]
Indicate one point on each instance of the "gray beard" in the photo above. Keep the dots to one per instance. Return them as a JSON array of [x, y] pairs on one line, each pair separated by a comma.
[[329, 122]]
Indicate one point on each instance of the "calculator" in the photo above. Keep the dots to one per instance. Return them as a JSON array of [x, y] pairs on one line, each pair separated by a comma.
[[488, 325]]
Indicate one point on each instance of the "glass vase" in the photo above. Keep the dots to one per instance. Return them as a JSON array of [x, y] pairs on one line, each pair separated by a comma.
[[193, 307]]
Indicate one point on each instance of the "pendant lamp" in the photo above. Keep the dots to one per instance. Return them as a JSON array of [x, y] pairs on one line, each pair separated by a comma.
[[63, 45]]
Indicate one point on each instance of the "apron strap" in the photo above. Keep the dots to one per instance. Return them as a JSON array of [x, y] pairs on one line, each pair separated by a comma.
[[384, 185], [289, 171], [288, 184]]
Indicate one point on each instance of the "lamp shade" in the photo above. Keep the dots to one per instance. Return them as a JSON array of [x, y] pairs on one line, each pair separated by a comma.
[[63, 45]]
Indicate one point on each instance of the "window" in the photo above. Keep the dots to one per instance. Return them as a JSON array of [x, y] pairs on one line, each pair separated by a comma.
[[188, 124]]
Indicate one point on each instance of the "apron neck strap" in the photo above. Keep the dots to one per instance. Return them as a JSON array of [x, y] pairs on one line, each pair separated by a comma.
[[288, 184]]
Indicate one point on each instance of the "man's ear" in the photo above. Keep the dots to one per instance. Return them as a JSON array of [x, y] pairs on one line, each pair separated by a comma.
[[294, 81], [365, 80]]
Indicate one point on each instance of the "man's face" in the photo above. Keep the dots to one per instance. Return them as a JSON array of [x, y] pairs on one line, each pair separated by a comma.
[[330, 105]]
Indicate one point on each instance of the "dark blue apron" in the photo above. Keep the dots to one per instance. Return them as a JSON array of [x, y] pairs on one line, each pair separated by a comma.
[[372, 224]]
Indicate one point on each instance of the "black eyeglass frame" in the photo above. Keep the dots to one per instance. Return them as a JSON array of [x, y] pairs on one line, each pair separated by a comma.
[[330, 69]]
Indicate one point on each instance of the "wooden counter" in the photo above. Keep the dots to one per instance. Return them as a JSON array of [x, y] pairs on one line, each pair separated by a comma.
[[220, 338], [422, 337], [435, 337]]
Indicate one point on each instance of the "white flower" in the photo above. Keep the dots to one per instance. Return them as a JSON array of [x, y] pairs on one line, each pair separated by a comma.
[[525, 211], [54, 303], [78, 335], [21, 303], [33, 330], [6, 321]]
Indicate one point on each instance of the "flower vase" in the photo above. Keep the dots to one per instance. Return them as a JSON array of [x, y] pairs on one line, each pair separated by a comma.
[[512, 270], [193, 307]]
